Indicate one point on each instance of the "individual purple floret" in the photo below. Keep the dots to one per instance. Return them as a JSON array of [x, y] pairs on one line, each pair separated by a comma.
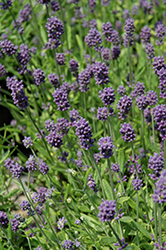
[[115, 167], [142, 102], [14, 224], [156, 164], [106, 55], [148, 116], [92, 5], [43, 168], [107, 210], [123, 244], [145, 34], [8, 47], [107, 96], [3, 219], [152, 97], [25, 205], [74, 67], [84, 80], [158, 64], [9, 163], [91, 183], [63, 156], [2, 70], [61, 99], [159, 193], [105, 146], [101, 72], [27, 142], [135, 9], [39, 77], [83, 131], [105, 3], [6, 5], [127, 132], [77, 222], [94, 39], [55, 6], [102, 114], [25, 13], [55, 30], [16, 170], [162, 84], [124, 105], [60, 58], [97, 157], [68, 244], [61, 223], [115, 52], [160, 33], [159, 113], [137, 184], [121, 90], [38, 248], [54, 80], [150, 51], [31, 163]]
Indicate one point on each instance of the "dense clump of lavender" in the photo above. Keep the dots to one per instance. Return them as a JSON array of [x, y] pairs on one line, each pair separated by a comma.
[[127, 132], [31, 163], [54, 80], [102, 114], [145, 34], [55, 30], [3, 219], [61, 99], [8, 47], [106, 55], [25, 13], [39, 77], [23, 58], [84, 80], [129, 35], [105, 147], [121, 90], [91, 183], [150, 51], [158, 64], [115, 52], [100, 71], [160, 33], [137, 184], [107, 210], [83, 131], [159, 113], [156, 164], [124, 106], [107, 96], [94, 39], [18, 94], [15, 225], [60, 58], [159, 192], [142, 102]]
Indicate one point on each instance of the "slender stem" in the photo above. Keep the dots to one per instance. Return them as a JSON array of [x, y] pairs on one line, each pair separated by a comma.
[[98, 171], [154, 137], [29, 244], [111, 180], [155, 218], [142, 131], [130, 67], [85, 108], [160, 227], [116, 235], [9, 240], [137, 217]]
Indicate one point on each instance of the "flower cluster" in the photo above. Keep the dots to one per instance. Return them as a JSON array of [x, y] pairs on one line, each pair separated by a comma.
[[159, 113], [94, 39], [91, 183], [105, 147], [159, 192], [127, 132], [107, 210], [124, 105], [156, 164], [129, 28]]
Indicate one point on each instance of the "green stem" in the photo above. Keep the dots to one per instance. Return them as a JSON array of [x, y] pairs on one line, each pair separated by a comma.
[[9, 240], [142, 131], [160, 227], [154, 137], [111, 180], [116, 235], [137, 217], [98, 171], [130, 67], [155, 218]]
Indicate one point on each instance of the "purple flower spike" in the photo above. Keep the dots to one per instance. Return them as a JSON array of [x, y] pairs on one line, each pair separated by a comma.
[[124, 106], [2, 70], [160, 191], [91, 183], [107, 210], [8, 47], [127, 132], [137, 184], [107, 96], [6, 5], [39, 77], [100, 71], [145, 34], [150, 51], [102, 114], [94, 39], [142, 102], [61, 99], [106, 55], [156, 164], [61, 223], [54, 80], [74, 67], [160, 33], [83, 130], [158, 64], [60, 57], [14, 224], [105, 147], [84, 80], [54, 139], [27, 142], [159, 113], [3, 219]]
